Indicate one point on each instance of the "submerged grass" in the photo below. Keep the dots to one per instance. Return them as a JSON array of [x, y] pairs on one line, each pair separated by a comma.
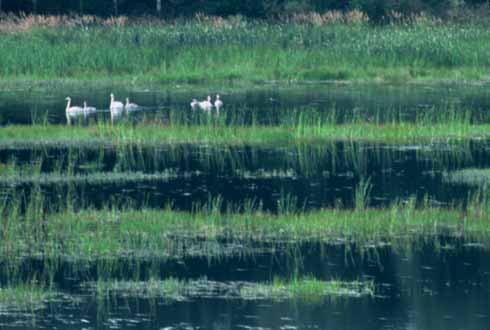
[[204, 50], [470, 176], [95, 178], [304, 289]]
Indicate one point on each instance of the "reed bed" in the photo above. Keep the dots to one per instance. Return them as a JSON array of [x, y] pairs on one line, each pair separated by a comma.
[[217, 49]]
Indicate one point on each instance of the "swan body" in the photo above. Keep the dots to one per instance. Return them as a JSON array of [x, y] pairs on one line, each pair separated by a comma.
[[129, 106], [72, 112], [218, 104], [116, 106], [206, 105], [194, 104], [116, 109], [88, 110]]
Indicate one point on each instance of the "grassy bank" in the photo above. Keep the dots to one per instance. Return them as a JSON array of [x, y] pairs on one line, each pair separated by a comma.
[[152, 134], [215, 49]]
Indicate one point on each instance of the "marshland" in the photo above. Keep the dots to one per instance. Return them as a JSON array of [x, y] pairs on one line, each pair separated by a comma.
[[273, 165]]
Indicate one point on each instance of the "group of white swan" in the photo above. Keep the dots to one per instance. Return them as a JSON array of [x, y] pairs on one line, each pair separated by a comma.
[[207, 105], [116, 108]]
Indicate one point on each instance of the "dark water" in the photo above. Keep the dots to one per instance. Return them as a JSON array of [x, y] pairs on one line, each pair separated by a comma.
[[424, 286], [262, 104], [426, 289], [308, 177]]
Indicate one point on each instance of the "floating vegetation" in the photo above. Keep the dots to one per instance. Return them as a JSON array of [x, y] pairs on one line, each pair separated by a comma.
[[305, 289], [470, 176]]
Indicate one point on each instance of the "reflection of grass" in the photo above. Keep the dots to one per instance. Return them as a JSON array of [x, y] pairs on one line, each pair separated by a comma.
[[304, 289], [471, 176]]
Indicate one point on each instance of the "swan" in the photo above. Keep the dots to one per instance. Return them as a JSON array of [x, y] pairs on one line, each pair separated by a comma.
[[206, 105], [116, 106], [116, 109], [218, 104], [129, 106], [194, 104], [86, 109], [72, 112]]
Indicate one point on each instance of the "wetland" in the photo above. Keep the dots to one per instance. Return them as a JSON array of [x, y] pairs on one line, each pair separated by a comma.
[[297, 206]]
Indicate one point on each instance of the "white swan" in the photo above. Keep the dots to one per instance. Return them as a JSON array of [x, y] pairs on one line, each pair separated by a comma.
[[194, 104], [218, 104], [206, 105], [116, 109], [116, 106], [88, 110], [129, 106], [72, 112]]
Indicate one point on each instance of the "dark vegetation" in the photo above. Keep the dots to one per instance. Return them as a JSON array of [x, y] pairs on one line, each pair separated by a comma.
[[377, 10]]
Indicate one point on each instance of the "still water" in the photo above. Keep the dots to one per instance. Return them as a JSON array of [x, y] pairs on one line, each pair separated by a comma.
[[425, 286], [305, 177], [425, 289], [261, 104]]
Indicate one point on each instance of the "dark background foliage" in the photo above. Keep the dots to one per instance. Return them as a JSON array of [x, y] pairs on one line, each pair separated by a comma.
[[376, 9]]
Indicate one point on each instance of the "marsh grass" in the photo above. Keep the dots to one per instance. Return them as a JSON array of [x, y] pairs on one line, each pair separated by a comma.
[[303, 289], [307, 290], [200, 50], [24, 297], [305, 128], [31, 229]]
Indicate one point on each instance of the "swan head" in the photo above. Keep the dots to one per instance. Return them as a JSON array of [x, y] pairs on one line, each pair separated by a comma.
[[209, 98], [68, 99], [217, 96], [112, 96]]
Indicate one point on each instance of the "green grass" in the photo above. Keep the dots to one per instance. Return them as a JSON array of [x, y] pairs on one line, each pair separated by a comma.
[[24, 297], [153, 134], [90, 235], [203, 52], [303, 289]]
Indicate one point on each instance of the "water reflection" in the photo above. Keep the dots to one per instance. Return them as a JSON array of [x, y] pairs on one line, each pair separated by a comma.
[[424, 289], [260, 105], [309, 176]]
